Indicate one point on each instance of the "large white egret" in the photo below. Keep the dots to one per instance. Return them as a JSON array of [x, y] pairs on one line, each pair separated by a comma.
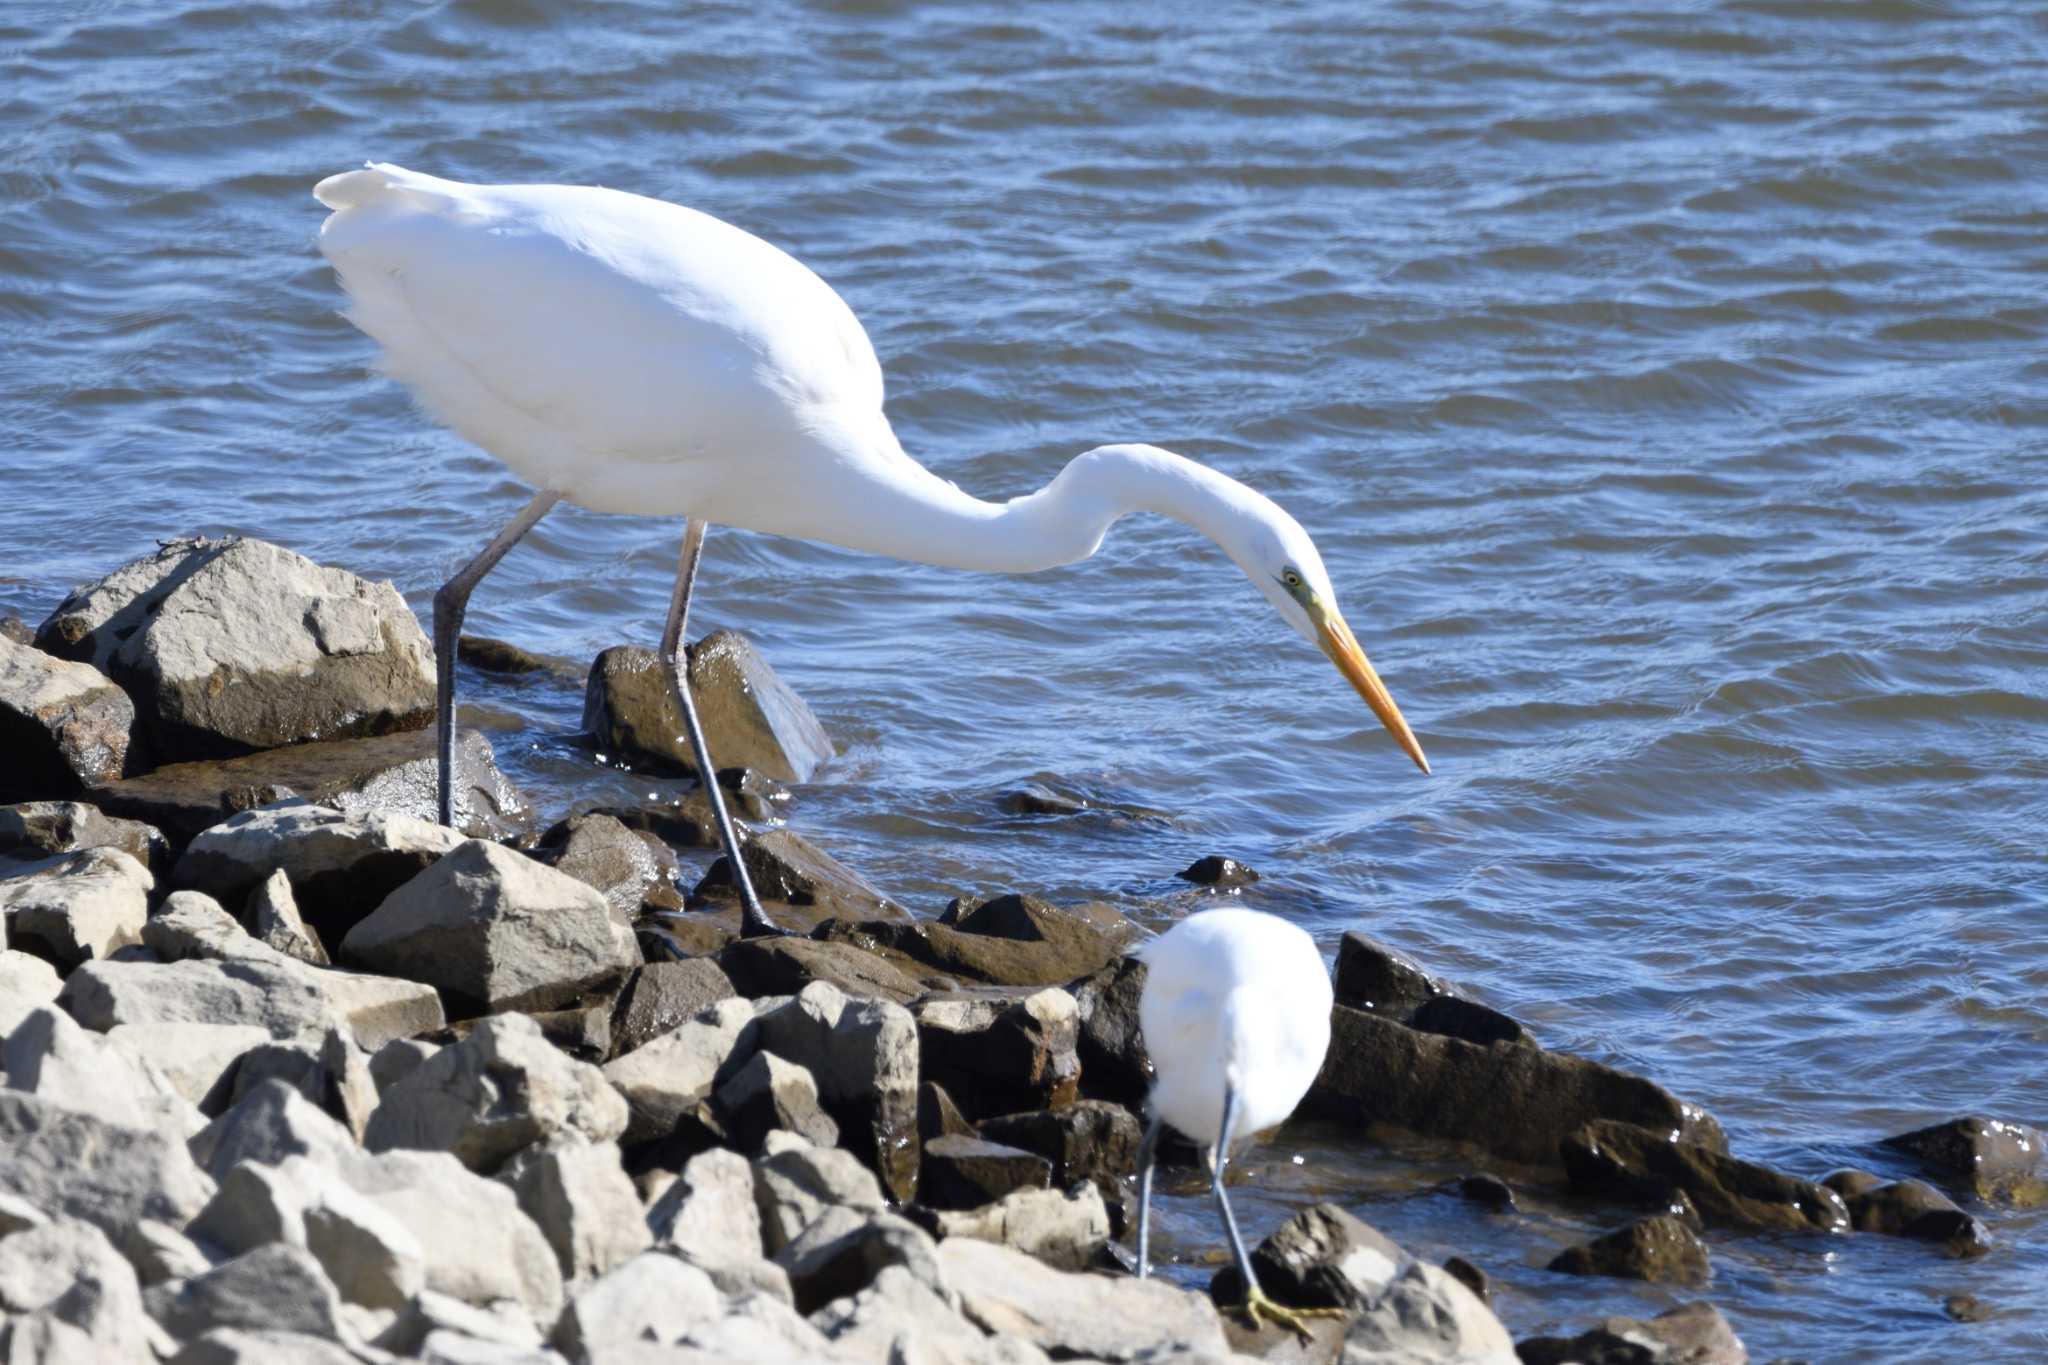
[[1236, 1017], [635, 356]]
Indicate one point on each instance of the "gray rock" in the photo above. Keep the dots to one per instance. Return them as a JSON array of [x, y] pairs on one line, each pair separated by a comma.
[[399, 1058], [794, 1186], [1426, 1315], [1692, 1334], [654, 1296], [273, 1288], [371, 1257], [428, 1313], [26, 982], [661, 996], [500, 1089], [496, 930], [52, 1058], [580, 1197], [968, 1172], [1992, 1159], [625, 866], [753, 1327], [256, 1205], [43, 1339], [1518, 1102], [766, 1094], [1063, 1230], [193, 924], [898, 1317], [1114, 1063], [235, 645], [42, 829], [199, 1060], [751, 718], [1000, 1052], [69, 1270], [1005, 1291], [709, 1212], [864, 1057], [235, 1346], [451, 1348], [160, 1252], [75, 907], [64, 726], [70, 1164], [1322, 1257], [840, 1254], [1622, 1161], [272, 915], [669, 1077], [1660, 1249], [272, 1122]]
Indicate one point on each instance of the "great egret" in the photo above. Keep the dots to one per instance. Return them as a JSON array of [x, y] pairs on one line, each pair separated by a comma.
[[1236, 1018], [631, 355]]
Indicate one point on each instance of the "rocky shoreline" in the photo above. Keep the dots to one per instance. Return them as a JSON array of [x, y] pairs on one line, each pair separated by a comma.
[[294, 1074]]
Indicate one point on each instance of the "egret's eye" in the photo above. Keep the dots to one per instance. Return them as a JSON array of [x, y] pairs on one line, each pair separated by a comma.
[[1290, 578]]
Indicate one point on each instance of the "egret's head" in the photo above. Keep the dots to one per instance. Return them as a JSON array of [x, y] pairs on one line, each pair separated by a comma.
[[1279, 557]]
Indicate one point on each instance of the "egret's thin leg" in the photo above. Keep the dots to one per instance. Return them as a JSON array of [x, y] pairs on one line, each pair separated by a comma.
[[754, 921], [451, 603], [1256, 1304], [1148, 1157]]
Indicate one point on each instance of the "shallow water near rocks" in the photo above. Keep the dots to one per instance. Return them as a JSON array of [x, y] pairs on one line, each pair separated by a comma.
[[1663, 385]]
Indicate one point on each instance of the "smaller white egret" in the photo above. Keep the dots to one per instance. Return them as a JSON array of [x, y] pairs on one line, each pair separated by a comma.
[[1236, 1017]]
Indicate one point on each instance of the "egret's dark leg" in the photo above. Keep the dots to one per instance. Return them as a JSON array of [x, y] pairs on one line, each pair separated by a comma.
[[1148, 1157], [1256, 1304], [754, 921], [450, 604]]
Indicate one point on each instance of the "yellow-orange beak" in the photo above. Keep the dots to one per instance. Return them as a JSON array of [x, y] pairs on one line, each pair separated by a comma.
[[1342, 646]]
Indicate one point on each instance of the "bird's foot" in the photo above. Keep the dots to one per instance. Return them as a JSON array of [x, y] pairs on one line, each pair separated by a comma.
[[762, 927], [1257, 1306]]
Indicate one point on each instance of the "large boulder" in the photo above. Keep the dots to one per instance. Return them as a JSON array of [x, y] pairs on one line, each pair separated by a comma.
[[1066, 1315], [70, 1271], [1373, 977], [495, 930], [1623, 1161], [233, 645], [40, 829], [1994, 1160], [63, 726], [750, 716], [75, 907], [372, 1258], [71, 1164]]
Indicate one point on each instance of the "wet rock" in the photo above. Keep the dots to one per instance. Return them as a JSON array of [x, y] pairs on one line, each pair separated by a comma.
[[750, 716], [664, 1080], [841, 1253], [1519, 1102], [1661, 1249], [1965, 1308], [766, 1094], [272, 917], [1322, 1257], [270, 1125], [1114, 1063], [1620, 1160], [1908, 1208], [1062, 1229], [789, 870], [999, 1052], [1996, 1161], [864, 1057], [653, 1297], [1455, 1017], [687, 821], [1489, 1191], [68, 1270], [1005, 1291], [580, 1197], [498, 1090], [1427, 1314], [1371, 976], [1693, 1334], [794, 1186], [786, 966], [385, 775], [670, 936], [938, 1116], [661, 996], [1471, 1276], [341, 867], [1038, 800], [25, 982], [1216, 870], [625, 866], [968, 1172], [52, 1058], [234, 645], [499, 656], [495, 930], [1091, 1140], [75, 907], [64, 726], [1012, 941], [41, 829], [276, 1288], [709, 1213]]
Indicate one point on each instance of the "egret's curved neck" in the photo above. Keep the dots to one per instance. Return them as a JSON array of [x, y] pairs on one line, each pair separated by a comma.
[[907, 512]]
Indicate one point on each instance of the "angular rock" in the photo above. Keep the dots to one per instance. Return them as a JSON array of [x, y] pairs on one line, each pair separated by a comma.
[[583, 1029], [273, 1288], [199, 1060], [334, 1074], [789, 870], [500, 1089], [1620, 1160], [234, 645], [938, 1116], [840, 1254], [998, 1052], [1998, 1162], [968, 1172], [1427, 1314], [193, 924], [709, 1212], [1322, 1257], [495, 930], [273, 1122], [900, 1318], [500, 656], [1456, 1017], [864, 1057], [235, 1346], [664, 1080], [652, 1297], [750, 716], [75, 907], [1660, 1249], [784, 966], [280, 994], [752, 1327], [1111, 1046], [1090, 1140], [69, 1270], [1909, 1208], [1065, 1230], [49, 1056], [1011, 941], [794, 1186], [369, 1255], [26, 981], [1007, 1292], [428, 1312], [1518, 1102], [1216, 870], [160, 1252], [64, 726], [660, 996], [767, 1094], [43, 829], [1693, 1334], [624, 866], [272, 917], [580, 1197], [397, 1059], [1371, 976]]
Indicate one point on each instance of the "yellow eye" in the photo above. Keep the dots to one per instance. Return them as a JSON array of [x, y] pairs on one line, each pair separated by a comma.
[[1291, 578]]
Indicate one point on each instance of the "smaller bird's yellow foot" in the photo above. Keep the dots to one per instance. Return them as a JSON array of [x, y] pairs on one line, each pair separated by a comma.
[[1257, 1306]]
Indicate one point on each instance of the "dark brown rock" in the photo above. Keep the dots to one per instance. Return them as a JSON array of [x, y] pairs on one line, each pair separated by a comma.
[[968, 1172], [40, 829], [1488, 1190], [1660, 1248], [938, 1116], [1216, 870], [1519, 1102], [12, 627], [1965, 1308], [787, 869], [750, 716], [1000, 1051], [1912, 1208], [64, 726], [1114, 1064], [1456, 1017], [784, 966], [1010, 941], [1471, 1276], [1694, 1334], [660, 996], [1089, 1140], [672, 936], [1371, 976], [1998, 1162], [499, 656], [1622, 1161], [1322, 1257]]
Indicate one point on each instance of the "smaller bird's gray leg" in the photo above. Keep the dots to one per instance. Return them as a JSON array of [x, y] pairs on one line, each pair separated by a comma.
[[1148, 1158], [451, 603], [1219, 1158], [754, 921]]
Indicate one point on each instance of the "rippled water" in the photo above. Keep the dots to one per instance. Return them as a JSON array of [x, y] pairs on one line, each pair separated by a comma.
[[1664, 385]]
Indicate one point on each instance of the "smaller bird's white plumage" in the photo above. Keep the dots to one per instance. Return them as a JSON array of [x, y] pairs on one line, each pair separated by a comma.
[[1233, 996]]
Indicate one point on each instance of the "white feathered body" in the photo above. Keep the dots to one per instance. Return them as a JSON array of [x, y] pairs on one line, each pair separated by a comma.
[[1240, 995]]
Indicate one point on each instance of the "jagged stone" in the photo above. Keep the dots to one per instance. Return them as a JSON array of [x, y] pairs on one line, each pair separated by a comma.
[[1010, 941], [654, 1297], [272, 1288], [863, 1055], [938, 1116], [1111, 1046], [428, 1312], [968, 1172], [65, 726], [580, 1197], [1000, 1052], [709, 1212], [1063, 1314], [1620, 1160], [272, 916], [750, 716], [840, 1254], [397, 1059], [784, 966], [75, 907], [43, 829], [1090, 1140], [1065, 1230], [369, 1255], [200, 1061], [334, 1074], [495, 930], [900, 1318], [666, 1079], [1660, 1248], [1322, 1257], [69, 1270], [49, 1056], [1692, 1334], [787, 869], [161, 1252], [269, 1124], [795, 1185], [1426, 1314], [661, 996], [26, 982], [235, 1346], [1996, 1161], [768, 1093], [623, 865]]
